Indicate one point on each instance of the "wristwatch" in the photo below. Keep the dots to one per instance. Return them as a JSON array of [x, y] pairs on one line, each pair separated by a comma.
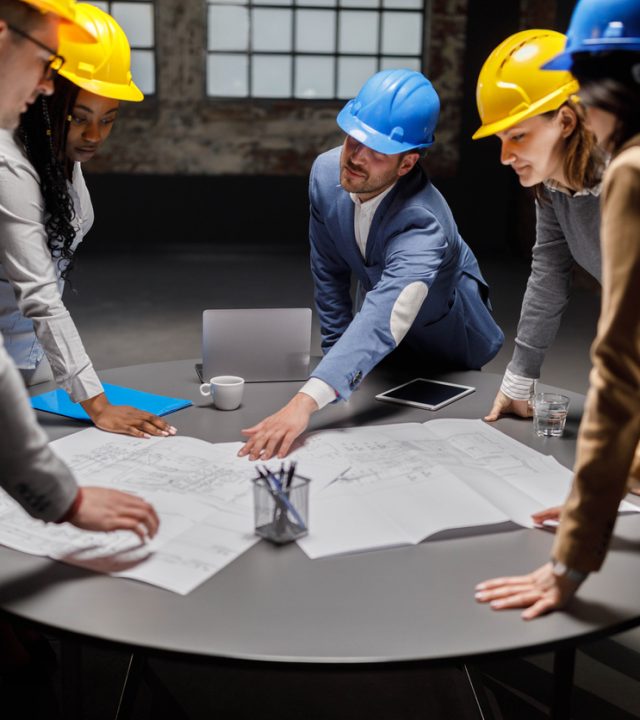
[[561, 570]]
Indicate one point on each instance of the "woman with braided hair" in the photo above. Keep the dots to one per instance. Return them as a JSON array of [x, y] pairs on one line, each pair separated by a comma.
[[45, 211]]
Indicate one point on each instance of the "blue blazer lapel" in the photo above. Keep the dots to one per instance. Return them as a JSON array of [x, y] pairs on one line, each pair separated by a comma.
[[406, 186], [346, 212]]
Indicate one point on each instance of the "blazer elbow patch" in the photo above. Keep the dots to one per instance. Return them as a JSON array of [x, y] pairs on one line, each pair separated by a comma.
[[406, 308]]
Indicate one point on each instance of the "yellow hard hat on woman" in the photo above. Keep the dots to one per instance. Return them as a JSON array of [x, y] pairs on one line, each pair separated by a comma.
[[512, 87], [102, 67]]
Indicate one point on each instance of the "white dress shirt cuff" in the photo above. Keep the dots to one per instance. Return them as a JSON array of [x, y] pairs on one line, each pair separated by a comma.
[[517, 387], [320, 391]]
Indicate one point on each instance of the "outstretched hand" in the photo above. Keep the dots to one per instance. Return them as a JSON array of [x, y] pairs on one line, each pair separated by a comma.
[[504, 405], [104, 510], [125, 419], [276, 433], [539, 592]]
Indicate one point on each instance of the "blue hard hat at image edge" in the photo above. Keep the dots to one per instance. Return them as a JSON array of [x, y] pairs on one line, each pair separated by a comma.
[[599, 26], [395, 111]]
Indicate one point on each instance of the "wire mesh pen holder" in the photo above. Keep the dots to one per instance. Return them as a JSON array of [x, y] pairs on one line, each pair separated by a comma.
[[281, 509]]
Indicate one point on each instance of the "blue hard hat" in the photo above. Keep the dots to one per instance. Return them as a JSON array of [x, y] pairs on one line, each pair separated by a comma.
[[599, 26], [395, 111]]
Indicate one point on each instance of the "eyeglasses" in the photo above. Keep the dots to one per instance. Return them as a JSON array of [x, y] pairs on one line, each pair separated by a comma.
[[55, 62]]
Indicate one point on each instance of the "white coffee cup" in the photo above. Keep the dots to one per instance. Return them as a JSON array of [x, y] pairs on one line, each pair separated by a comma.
[[225, 391]]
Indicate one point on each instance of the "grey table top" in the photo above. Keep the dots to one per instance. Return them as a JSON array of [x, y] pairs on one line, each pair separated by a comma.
[[274, 604]]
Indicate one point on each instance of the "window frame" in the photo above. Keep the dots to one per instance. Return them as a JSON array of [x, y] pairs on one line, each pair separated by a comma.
[[336, 55]]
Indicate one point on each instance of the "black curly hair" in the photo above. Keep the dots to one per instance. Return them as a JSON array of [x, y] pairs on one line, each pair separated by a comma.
[[43, 132]]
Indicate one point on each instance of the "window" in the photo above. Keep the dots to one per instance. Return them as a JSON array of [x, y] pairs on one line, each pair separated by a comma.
[[311, 49], [136, 19]]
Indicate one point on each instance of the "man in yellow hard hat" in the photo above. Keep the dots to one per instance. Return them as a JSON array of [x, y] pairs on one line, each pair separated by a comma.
[[31, 473]]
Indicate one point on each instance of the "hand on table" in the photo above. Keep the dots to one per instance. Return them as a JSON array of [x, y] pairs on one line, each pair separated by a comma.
[[504, 405], [104, 510], [539, 592], [125, 419], [276, 433]]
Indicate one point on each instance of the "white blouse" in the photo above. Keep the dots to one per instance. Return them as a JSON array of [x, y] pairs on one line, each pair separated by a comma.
[[33, 318]]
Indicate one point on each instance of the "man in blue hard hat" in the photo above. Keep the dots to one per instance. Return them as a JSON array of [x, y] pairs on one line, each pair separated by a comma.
[[376, 216]]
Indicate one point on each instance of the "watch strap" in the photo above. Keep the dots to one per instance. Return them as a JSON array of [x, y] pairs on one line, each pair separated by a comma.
[[561, 570]]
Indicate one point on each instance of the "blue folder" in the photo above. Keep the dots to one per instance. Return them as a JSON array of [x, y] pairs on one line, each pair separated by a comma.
[[58, 402]]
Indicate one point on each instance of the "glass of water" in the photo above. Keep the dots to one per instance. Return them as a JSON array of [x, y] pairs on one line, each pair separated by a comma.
[[549, 414]]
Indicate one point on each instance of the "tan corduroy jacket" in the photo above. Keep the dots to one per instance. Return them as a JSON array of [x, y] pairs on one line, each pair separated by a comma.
[[610, 430]]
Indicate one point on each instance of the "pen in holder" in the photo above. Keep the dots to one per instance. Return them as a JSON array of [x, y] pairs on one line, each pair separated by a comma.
[[281, 505]]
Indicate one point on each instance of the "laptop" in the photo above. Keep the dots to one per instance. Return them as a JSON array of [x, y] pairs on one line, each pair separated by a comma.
[[260, 345]]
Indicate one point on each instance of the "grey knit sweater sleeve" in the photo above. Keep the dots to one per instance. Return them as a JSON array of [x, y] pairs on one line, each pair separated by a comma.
[[546, 296], [29, 471]]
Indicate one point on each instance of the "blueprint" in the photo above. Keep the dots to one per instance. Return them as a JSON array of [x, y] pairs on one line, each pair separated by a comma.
[[409, 481], [372, 487], [202, 492]]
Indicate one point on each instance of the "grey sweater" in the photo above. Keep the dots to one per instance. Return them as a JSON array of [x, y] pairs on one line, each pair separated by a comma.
[[567, 231], [29, 471]]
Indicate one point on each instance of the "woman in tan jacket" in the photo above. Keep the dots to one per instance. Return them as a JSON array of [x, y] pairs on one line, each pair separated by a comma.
[[609, 79]]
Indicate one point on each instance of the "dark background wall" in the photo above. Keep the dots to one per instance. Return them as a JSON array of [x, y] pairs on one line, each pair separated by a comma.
[[185, 170]]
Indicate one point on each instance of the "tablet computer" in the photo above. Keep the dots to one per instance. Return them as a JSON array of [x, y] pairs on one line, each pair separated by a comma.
[[427, 394]]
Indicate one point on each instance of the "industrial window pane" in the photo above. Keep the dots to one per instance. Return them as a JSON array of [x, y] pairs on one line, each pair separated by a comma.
[[228, 28], [314, 77], [143, 70], [352, 72], [227, 75], [360, 3], [316, 31], [393, 63], [401, 33], [271, 30], [137, 22], [272, 2], [326, 3], [408, 4], [271, 76], [228, 2], [358, 32]]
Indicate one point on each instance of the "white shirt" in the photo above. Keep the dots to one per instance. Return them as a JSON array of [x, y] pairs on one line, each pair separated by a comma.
[[318, 389], [33, 318]]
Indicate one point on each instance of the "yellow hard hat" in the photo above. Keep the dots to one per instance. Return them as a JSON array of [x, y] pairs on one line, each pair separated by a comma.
[[66, 10], [102, 67], [512, 87]]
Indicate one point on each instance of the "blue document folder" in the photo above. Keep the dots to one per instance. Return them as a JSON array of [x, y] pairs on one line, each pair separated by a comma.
[[58, 402]]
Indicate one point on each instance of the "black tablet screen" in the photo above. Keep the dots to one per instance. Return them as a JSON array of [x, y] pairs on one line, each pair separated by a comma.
[[425, 392]]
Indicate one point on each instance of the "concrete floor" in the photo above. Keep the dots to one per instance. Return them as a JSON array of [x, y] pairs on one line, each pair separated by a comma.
[[145, 308]]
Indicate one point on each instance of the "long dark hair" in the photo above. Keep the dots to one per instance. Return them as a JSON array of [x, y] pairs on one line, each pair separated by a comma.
[[611, 82], [43, 132]]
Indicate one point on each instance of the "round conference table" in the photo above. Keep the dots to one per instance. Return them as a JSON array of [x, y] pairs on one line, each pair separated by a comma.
[[399, 605]]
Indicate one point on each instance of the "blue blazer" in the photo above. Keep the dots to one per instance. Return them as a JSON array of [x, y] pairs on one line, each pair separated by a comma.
[[413, 239]]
